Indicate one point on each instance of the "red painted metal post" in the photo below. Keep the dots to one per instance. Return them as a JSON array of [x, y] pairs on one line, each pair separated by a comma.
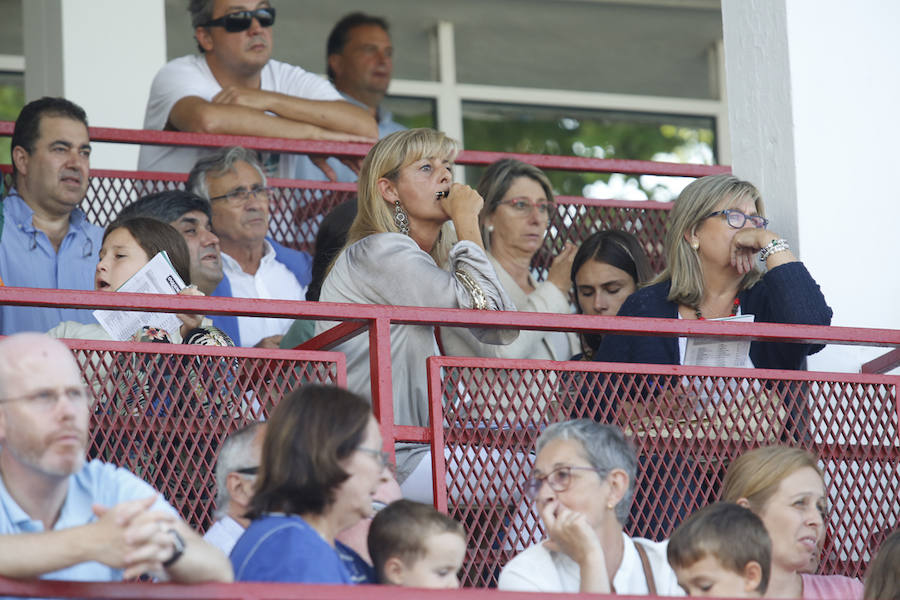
[[436, 423], [883, 363], [380, 376]]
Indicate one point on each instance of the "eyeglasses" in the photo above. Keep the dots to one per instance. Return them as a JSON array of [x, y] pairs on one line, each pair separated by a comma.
[[737, 219], [524, 207], [559, 480], [383, 458], [47, 399], [241, 196], [242, 19], [247, 470]]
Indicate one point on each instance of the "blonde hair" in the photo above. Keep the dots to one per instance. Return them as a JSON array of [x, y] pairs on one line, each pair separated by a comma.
[[756, 475], [385, 160], [702, 197]]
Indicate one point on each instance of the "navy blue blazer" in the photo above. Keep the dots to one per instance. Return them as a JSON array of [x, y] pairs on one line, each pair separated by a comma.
[[785, 294]]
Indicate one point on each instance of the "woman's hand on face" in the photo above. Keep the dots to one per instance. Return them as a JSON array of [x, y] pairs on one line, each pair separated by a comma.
[[571, 534], [190, 321], [461, 202], [745, 246], [560, 273]]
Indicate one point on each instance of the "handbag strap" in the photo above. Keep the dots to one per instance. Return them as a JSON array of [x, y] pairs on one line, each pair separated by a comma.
[[648, 572]]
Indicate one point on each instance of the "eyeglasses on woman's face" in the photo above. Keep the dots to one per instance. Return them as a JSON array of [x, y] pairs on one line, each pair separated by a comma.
[[559, 480], [524, 206], [737, 219], [381, 457]]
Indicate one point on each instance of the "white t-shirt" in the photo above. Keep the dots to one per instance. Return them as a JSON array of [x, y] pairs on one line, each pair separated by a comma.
[[539, 570], [272, 281], [191, 76]]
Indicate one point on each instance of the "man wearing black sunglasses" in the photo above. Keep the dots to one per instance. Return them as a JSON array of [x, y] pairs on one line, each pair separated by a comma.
[[234, 87]]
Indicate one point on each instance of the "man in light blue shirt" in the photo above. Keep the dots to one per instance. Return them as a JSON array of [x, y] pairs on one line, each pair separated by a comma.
[[46, 240], [61, 518]]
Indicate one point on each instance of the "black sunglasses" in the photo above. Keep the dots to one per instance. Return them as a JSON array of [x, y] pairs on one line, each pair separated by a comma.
[[247, 470], [242, 19]]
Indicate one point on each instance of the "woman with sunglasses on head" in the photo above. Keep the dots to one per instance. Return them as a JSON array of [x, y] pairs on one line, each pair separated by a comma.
[[518, 204], [322, 462], [582, 485], [716, 231]]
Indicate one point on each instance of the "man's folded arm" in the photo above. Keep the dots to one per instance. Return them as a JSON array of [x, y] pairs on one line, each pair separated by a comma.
[[195, 114]]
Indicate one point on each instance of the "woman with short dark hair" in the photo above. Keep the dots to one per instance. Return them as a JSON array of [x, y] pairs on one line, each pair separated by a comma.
[[322, 461]]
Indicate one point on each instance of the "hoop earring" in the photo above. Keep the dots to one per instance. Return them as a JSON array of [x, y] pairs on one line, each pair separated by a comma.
[[400, 218]]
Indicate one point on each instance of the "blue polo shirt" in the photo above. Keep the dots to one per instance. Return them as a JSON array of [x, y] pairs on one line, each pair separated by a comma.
[[96, 483], [28, 259]]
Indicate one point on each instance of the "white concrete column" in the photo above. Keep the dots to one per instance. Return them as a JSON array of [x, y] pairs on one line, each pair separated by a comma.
[[100, 54], [813, 106]]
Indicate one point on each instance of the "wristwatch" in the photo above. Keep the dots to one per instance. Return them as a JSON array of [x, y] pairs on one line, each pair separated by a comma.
[[177, 549]]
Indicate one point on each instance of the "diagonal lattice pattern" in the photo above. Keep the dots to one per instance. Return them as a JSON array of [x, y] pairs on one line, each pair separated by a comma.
[[163, 414], [297, 211], [686, 429]]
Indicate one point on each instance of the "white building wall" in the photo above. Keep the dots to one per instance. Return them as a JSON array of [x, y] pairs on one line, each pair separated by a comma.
[[102, 55], [814, 123]]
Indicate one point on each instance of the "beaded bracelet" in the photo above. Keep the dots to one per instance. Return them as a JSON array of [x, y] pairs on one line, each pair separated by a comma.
[[779, 245]]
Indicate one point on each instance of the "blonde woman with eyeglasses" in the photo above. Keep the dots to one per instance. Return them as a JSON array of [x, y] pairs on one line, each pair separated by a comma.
[[582, 485], [717, 240]]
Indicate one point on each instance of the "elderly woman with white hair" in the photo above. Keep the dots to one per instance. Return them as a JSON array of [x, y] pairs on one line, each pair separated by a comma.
[[582, 484]]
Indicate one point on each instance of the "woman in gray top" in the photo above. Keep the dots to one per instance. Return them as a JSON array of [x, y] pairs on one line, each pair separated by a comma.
[[396, 254]]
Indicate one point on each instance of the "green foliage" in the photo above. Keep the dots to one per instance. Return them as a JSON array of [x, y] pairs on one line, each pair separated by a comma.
[[12, 99], [598, 136]]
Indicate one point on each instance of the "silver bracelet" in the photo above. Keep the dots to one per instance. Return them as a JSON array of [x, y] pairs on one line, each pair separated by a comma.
[[779, 245]]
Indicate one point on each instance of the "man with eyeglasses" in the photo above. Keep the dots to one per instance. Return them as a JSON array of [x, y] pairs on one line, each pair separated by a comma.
[[47, 241], [234, 87], [236, 469], [255, 266], [62, 517]]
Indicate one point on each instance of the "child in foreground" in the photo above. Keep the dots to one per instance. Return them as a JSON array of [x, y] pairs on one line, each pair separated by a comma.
[[722, 550], [414, 545], [883, 575]]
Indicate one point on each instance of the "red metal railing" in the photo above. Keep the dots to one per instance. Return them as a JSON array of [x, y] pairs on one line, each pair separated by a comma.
[[267, 591], [163, 410], [467, 157], [834, 433], [487, 413], [298, 206]]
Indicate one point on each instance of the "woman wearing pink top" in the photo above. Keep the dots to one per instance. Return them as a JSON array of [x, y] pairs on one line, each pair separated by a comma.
[[785, 488]]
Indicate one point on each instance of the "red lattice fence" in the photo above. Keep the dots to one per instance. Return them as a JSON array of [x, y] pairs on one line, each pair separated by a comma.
[[687, 423], [162, 410], [298, 207]]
